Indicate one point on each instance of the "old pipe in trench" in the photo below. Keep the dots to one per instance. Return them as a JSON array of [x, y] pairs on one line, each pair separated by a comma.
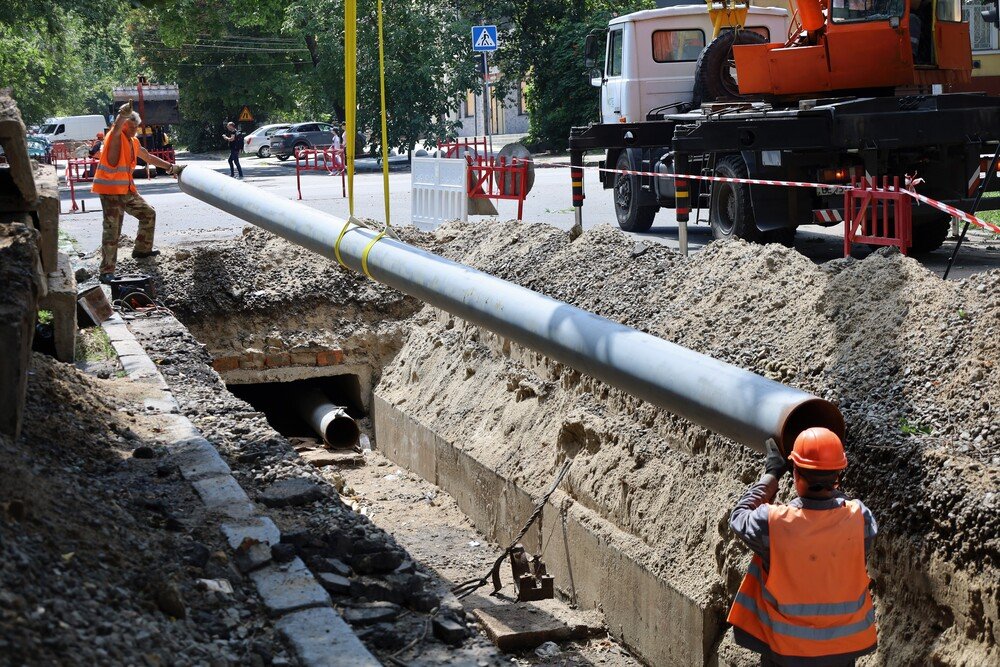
[[331, 422], [726, 399]]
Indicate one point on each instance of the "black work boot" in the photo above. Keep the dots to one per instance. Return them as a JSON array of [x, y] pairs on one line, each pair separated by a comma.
[[143, 255]]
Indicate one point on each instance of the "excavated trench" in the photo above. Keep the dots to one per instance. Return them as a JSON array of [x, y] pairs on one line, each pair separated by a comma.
[[639, 528]]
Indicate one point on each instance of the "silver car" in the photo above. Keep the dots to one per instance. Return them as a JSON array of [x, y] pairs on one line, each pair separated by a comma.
[[259, 141]]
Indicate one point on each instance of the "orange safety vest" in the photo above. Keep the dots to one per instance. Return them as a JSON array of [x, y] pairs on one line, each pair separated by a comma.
[[814, 601], [110, 180]]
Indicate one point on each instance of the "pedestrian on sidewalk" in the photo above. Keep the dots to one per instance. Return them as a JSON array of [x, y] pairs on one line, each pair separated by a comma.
[[236, 141], [114, 184], [805, 598]]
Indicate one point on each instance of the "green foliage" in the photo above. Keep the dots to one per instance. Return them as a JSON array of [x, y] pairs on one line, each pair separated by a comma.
[[428, 67], [906, 427], [222, 55], [58, 57]]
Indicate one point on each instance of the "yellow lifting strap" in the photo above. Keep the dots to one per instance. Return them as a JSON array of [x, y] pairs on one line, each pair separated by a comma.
[[385, 133], [727, 14], [350, 96]]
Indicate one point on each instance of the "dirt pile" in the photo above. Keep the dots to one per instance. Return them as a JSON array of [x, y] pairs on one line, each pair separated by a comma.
[[260, 293], [102, 545], [906, 356]]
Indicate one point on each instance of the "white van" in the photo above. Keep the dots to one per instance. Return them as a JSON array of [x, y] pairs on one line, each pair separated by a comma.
[[73, 128]]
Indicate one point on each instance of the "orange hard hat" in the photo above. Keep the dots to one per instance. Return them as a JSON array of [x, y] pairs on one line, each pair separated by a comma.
[[818, 449]]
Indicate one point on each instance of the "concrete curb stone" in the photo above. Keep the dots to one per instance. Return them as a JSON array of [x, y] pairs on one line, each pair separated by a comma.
[[289, 587], [305, 617], [321, 638]]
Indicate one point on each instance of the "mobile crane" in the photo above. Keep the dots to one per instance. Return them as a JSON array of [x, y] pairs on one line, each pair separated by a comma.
[[838, 89]]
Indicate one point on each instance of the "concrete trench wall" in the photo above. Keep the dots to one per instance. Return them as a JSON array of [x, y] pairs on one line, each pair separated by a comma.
[[646, 613]]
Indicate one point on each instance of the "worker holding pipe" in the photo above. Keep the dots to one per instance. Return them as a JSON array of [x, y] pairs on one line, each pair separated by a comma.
[[113, 182], [805, 599]]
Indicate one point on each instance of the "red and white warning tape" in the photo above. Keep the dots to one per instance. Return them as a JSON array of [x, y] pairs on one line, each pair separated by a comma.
[[835, 189]]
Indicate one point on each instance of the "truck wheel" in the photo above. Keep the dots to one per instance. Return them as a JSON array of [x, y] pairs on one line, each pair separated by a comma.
[[631, 216], [731, 213], [929, 235], [715, 71]]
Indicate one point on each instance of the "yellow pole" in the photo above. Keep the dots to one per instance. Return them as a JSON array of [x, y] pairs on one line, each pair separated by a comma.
[[385, 133], [350, 93]]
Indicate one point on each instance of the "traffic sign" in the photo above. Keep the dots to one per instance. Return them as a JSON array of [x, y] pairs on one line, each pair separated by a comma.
[[484, 38], [245, 115]]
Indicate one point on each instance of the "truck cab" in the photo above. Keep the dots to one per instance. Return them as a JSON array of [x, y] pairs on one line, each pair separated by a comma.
[[650, 57]]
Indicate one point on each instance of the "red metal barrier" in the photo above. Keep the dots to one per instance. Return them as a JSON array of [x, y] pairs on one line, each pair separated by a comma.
[[59, 152], [877, 215], [322, 158], [79, 170], [458, 148], [495, 179]]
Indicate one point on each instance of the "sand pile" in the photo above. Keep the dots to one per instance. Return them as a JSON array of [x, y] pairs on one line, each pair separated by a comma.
[[906, 356]]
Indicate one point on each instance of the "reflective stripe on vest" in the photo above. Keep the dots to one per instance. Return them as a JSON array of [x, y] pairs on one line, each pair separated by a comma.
[[116, 180], [814, 601]]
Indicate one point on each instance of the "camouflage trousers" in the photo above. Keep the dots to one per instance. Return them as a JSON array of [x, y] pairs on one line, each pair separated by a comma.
[[115, 207]]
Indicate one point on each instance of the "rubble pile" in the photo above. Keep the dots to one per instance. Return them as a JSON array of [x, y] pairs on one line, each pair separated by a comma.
[[104, 558]]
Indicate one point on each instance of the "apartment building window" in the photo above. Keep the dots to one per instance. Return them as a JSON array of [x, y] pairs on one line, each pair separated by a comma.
[[469, 105], [983, 35], [522, 100]]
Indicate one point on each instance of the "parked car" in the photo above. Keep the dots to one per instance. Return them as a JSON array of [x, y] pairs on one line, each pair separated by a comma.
[[259, 141], [39, 148], [301, 135]]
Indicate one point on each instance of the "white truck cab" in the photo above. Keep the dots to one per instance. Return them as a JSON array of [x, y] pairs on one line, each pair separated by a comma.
[[650, 57]]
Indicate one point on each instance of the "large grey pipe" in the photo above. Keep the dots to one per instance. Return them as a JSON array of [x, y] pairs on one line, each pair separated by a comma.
[[731, 401], [331, 422]]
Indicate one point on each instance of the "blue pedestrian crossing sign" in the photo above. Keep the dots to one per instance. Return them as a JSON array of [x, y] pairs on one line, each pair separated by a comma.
[[484, 38]]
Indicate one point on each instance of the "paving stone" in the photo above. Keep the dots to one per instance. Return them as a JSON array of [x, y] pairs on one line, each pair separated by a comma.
[[198, 459], [128, 348], [224, 495], [289, 587], [251, 555], [291, 493], [321, 638], [161, 404], [334, 583], [138, 365], [259, 528], [117, 331], [371, 613]]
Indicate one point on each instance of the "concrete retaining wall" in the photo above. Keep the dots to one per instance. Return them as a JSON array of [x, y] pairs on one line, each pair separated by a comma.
[[650, 616]]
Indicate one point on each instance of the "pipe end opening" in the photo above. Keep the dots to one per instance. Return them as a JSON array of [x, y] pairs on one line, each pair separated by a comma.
[[814, 412]]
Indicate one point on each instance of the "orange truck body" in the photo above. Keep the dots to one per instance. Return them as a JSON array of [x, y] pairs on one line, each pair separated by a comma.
[[849, 56]]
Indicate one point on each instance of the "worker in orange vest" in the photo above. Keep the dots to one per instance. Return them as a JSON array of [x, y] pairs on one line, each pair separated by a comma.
[[113, 182], [805, 599]]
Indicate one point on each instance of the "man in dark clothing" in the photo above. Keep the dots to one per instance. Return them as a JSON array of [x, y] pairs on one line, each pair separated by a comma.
[[235, 139], [805, 600]]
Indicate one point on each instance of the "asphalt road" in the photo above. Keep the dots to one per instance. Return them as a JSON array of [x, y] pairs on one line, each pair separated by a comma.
[[183, 219]]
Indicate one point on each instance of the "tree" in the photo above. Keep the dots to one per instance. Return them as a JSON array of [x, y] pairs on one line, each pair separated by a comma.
[[222, 55], [57, 55], [541, 43], [428, 67]]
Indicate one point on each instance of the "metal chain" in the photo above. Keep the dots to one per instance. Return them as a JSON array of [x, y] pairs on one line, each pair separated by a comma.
[[470, 586]]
